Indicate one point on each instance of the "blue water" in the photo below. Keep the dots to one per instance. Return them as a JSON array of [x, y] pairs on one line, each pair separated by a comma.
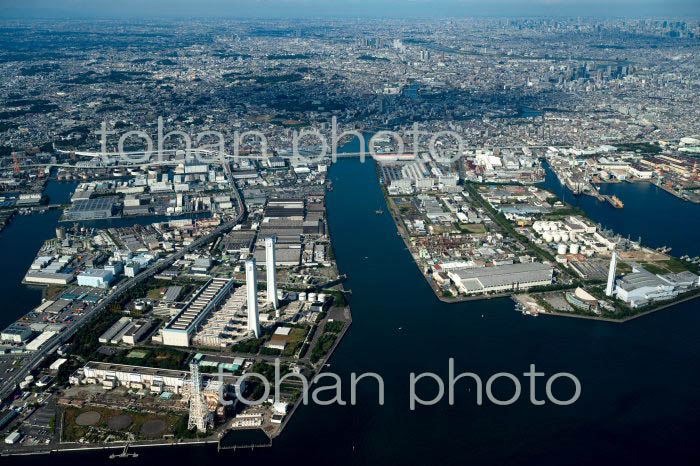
[[660, 218], [638, 405], [23, 237]]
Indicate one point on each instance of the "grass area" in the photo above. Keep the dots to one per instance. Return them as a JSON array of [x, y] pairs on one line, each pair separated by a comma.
[[334, 326], [623, 268], [653, 267], [297, 336], [323, 346], [163, 358], [472, 227], [251, 346]]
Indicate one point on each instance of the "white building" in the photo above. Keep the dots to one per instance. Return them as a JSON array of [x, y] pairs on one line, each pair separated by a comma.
[[95, 278], [642, 287], [501, 278], [179, 331]]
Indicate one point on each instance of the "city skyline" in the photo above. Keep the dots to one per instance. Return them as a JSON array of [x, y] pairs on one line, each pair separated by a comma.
[[304, 9]]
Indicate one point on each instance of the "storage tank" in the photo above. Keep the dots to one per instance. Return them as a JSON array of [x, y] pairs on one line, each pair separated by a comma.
[[547, 237], [312, 297], [564, 236], [302, 296], [572, 237], [322, 297], [573, 248], [561, 249], [557, 237]]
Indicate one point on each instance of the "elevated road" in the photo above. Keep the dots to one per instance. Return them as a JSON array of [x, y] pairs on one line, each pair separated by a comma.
[[9, 385]]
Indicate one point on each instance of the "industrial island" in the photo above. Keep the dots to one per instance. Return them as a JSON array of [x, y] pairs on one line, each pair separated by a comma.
[[146, 331], [481, 226]]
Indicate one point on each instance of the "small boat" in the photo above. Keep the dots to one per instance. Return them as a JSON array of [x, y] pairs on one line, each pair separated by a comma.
[[378, 211]]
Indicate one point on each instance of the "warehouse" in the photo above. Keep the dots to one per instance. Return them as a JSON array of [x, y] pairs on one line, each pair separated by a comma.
[[501, 278], [16, 333], [40, 341], [112, 331], [95, 278], [90, 209], [48, 278]]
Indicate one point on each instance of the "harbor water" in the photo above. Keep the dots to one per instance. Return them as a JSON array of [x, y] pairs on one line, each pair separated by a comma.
[[639, 382]]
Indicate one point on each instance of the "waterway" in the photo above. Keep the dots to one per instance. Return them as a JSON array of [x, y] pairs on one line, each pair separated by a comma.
[[659, 218], [639, 380], [24, 236]]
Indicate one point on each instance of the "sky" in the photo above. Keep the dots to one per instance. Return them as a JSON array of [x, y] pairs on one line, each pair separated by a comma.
[[689, 9]]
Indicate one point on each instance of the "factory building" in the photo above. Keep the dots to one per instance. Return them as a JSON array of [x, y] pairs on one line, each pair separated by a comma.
[[16, 334], [641, 287], [501, 278], [136, 331], [112, 331], [179, 331], [90, 209], [95, 278], [149, 378], [251, 279]]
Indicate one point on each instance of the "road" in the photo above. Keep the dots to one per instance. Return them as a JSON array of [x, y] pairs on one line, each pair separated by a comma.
[[11, 383]]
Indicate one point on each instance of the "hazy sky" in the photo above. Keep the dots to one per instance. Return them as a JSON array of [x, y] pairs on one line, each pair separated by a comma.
[[315, 8]]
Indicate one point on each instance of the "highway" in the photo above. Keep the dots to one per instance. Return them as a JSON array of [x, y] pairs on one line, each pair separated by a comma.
[[11, 383]]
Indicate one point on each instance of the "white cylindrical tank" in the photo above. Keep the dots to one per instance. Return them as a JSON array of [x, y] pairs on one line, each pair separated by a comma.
[[302, 296], [29, 378], [322, 297], [561, 249], [557, 237], [564, 236], [547, 237], [312, 297], [573, 248], [573, 237]]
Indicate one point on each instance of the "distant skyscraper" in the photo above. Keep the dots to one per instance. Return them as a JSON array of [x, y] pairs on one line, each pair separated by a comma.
[[251, 281], [270, 260], [611, 275]]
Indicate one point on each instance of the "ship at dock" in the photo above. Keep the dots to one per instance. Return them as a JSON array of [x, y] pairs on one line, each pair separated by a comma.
[[615, 202]]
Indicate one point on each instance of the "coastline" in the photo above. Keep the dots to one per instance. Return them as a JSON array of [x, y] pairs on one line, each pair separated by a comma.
[[401, 231]]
